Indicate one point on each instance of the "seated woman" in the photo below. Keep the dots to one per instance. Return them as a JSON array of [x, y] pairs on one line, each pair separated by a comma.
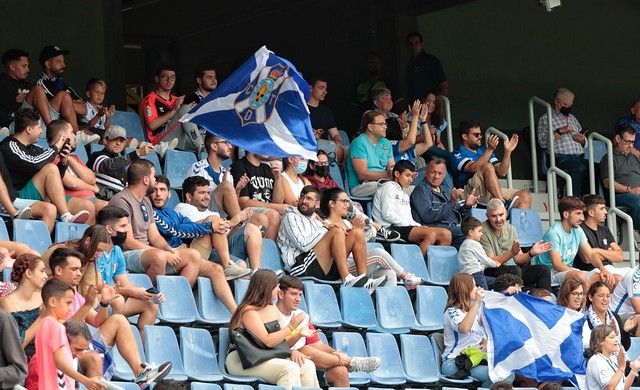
[[257, 314], [104, 263], [572, 296], [391, 208], [598, 313], [25, 301], [334, 205], [318, 172], [432, 119], [462, 328], [293, 168], [605, 369]]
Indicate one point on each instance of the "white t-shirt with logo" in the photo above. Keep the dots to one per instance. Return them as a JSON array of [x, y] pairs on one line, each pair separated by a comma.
[[600, 370], [629, 287], [454, 340]]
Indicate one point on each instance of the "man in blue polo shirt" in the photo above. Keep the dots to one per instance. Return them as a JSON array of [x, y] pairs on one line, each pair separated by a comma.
[[476, 167], [370, 156]]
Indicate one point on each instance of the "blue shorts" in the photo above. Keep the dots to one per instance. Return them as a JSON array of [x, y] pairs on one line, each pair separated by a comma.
[[133, 258]]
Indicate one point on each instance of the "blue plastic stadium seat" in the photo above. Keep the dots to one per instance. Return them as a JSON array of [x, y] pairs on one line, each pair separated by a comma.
[[65, 231], [81, 152], [173, 200], [140, 280], [240, 289], [374, 245], [634, 349], [528, 225], [271, 258], [131, 122], [409, 256], [390, 372], [153, 157], [323, 305], [357, 308], [418, 358], [33, 233], [210, 308], [336, 174], [342, 388], [437, 342], [394, 309], [480, 214], [180, 305], [442, 263], [199, 355], [223, 350], [126, 385], [95, 148], [122, 369], [6, 274], [235, 386], [264, 386], [4, 233], [205, 386], [177, 165], [161, 345], [430, 304], [352, 344], [345, 138]]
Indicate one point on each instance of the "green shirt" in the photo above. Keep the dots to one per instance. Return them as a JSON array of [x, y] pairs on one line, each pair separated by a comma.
[[494, 244]]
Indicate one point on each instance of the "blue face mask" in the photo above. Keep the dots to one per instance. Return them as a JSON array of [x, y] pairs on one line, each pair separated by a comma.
[[301, 167]]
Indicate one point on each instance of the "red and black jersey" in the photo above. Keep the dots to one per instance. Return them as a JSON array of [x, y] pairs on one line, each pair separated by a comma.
[[153, 106]]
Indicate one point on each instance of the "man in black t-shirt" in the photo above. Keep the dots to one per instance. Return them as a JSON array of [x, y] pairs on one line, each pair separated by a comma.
[[263, 193], [600, 238], [323, 122], [207, 82], [423, 72], [14, 86]]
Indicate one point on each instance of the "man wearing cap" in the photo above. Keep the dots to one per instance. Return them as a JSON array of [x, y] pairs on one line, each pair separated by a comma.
[[110, 164], [51, 95]]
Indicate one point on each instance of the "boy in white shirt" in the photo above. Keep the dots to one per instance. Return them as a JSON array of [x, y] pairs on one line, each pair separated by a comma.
[[472, 258]]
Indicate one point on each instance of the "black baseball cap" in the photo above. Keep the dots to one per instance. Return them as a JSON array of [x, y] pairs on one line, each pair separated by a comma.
[[50, 52]]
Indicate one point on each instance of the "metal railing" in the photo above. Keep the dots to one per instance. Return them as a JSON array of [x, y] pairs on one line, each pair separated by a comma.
[[504, 138], [552, 188], [447, 111], [614, 211], [532, 132]]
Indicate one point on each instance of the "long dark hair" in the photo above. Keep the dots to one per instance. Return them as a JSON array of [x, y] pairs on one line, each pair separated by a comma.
[[330, 194], [593, 289], [258, 294], [88, 245], [438, 116]]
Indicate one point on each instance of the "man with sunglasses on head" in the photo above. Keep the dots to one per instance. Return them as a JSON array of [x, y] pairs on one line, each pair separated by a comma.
[[475, 167]]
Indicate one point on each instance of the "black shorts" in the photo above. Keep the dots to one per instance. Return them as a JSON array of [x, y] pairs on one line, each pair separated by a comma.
[[307, 265], [403, 230]]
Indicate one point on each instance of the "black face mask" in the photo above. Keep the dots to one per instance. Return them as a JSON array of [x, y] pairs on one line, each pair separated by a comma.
[[321, 170], [565, 111], [119, 238]]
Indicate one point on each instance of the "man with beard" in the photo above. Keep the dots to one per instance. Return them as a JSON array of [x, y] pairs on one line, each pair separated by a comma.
[[146, 251], [51, 95], [476, 167], [14, 87], [311, 247], [207, 82]]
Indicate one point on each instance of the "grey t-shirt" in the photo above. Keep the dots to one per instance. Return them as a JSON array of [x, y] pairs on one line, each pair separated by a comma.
[[494, 244], [626, 169], [140, 213]]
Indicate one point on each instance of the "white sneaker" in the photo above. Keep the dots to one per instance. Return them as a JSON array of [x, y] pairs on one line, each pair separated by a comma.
[[24, 213], [83, 138], [234, 271], [372, 284], [133, 144], [364, 364], [4, 131], [412, 281], [80, 217], [355, 281], [172, 144]]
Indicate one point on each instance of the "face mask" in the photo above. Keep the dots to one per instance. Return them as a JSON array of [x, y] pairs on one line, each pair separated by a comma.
[[565, 111], [119, 238], [301, 167], [321, 170]]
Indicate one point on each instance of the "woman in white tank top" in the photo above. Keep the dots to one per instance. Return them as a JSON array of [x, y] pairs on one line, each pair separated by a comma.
[[293, 182]]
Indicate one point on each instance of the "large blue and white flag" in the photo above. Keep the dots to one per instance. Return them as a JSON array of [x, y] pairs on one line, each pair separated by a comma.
[[261, 107], [529, 335]]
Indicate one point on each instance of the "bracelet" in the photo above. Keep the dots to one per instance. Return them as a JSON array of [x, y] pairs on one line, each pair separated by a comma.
[[104, 304], [289, 326]]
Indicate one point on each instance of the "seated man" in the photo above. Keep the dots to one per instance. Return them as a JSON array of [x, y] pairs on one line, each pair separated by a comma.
[[568, 138], [322, 120], [626, 172], [370, 156], [477, 168], [146, 251], [263, 191], [600, 238], [110, 164], [32, 171], [337, 364], [435, 204], [14, 86], [568, 240], [633, 120], [202, 234], [500, 243], [309, 248], [92, 308], [78, 181]]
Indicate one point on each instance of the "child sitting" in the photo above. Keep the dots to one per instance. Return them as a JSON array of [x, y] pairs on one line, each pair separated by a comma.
[[471, 257]]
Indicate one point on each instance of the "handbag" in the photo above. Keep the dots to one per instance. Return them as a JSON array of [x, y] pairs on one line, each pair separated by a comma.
[[253, 352]]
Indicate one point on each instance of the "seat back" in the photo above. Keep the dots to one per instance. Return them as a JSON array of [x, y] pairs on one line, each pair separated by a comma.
[[179, 305], [430, 304], [409, 256], [4, 233], [352, 344], [65, 231], [442, 263], [383, 345], [95, 148], [235, 386], [173, 200], [634, 349], [418, 358], [223, 350], [177, 165], [199, 354], [322, 305], [33, 233], [357, 307], [480, 214], [210, 307], [81, 152], [271, 258], [131, 122], [528, 225], [205, 386], [336, 174], [122, 369], [240, 289], [394, 309], [263, 386], [140, 280], [345, 138], [161, 345]]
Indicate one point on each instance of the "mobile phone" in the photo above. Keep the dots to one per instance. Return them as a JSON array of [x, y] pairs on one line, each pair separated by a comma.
[[153, 290]]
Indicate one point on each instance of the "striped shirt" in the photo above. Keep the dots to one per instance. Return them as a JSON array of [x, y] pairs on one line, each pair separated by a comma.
[[298, 234], [566, 144]]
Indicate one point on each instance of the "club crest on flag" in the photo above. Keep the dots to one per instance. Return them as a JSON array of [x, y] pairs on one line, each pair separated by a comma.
[[256, 102]]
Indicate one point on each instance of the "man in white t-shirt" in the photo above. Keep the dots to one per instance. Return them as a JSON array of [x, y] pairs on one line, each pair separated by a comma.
[[625, 300], [245, 238], [337, 364]]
